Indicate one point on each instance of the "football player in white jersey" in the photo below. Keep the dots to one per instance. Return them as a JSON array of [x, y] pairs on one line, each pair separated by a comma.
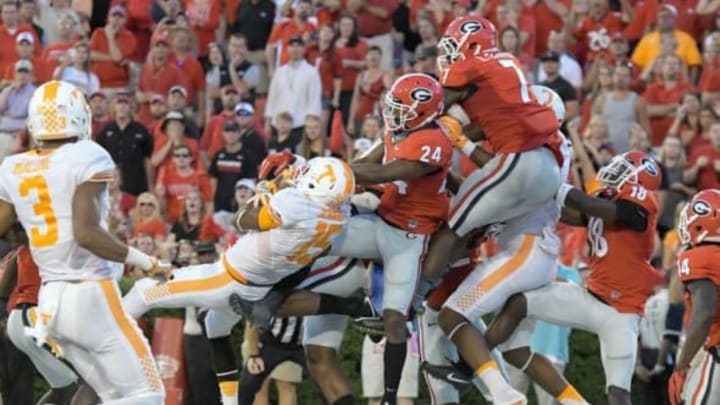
[[58, 191], [255, 276], [528, 250]]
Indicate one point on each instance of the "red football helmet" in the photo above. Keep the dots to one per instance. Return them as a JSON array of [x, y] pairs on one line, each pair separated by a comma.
[[414, 100], [467, 37], [700, 218], [631, 167]]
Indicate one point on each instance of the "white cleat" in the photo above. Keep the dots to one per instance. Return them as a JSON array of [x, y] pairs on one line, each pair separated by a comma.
[[510, 397]]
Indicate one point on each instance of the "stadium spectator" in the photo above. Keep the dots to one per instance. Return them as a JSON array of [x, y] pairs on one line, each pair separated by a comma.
[[284, 32], [704, 165], [594, 30], [10, 30], [177, 179], [569, 68], [238, 70], [194, 211], [203, 18], [159, 74], [27, 11], [110, 48], [295, 88], [314, 142], [510, 42], [663, 98], [551, 65], [374, 20], [672, 161], [216, 61], [130, 145], [155, 114], [510, 14], [709, 83], [25, 49], [187, 63], [232, 163], [254, 20], [686, 124], [147, 219], [220, 226], [169, 134], [329, 67], [177, 100], [75, 69], [622, 108], [14, 99], [370, 85], [51, 13], [211, 140], [100, 110], [649, 46], [349, 55], [284, 137], [55, 52]]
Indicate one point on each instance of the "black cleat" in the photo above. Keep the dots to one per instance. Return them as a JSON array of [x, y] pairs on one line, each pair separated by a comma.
[[450, 374]]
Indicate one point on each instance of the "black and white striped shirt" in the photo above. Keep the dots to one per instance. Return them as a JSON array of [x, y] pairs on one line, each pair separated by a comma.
[[284, 332]]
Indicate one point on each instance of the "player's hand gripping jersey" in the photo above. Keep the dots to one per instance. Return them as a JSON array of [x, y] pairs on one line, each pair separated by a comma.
[[418, 205], [41, 186], [501, 100]]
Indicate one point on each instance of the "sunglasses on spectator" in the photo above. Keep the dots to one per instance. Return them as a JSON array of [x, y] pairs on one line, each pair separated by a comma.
[[23, 70], [147, 204], [117, 15], [181, 155]]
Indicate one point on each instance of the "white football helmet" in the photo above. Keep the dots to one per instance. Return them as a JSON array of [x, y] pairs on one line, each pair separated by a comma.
[[58, 110], [326, 180], [547, 97]]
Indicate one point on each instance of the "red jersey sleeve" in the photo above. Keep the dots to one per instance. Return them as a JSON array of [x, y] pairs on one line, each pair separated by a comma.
[[700, 263], [429, 146]]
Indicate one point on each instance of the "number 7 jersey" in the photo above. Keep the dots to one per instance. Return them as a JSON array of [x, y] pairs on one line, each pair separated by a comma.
[[621, 272], [41, 185]]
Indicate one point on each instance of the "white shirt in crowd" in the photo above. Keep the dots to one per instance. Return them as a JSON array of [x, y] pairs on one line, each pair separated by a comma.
[[569, 70], [295, 88], [87, 81]]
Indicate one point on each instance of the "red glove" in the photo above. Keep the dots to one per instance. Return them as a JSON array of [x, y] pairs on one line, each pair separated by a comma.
[[275, 164], [675, 386]]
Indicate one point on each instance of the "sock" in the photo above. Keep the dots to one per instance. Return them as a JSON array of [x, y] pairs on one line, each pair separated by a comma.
[[351, 306], [229, 391], [346, 400], [490, 375], [394, 357], [570, 396]]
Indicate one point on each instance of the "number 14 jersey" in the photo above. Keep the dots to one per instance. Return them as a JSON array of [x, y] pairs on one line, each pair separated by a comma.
[[41, 186], [621, 273]]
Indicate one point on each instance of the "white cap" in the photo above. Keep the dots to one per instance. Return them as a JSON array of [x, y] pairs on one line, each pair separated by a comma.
[[246, 182], [25, 36]]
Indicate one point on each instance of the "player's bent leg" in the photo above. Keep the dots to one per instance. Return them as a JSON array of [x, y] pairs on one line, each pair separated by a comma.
[[357, 238], [618, 349], [436, 349], [57, 373]]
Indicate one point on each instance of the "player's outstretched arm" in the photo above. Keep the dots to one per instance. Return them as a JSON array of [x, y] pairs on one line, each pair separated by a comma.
[[7, 217], [704, 299], [623, 212], [90, 235], [373, 155], [375, 173]]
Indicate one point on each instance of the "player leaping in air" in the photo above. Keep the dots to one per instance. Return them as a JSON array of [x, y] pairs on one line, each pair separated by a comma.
[[59, 193], [695, 382], [412, 163]]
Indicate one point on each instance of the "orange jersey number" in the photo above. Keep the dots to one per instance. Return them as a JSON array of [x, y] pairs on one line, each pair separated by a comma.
[[42, 208], [320, 241]]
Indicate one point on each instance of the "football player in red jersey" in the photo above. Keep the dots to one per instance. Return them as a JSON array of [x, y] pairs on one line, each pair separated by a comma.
[[413, 163], [487, 92], [621, 224], [695, 382]]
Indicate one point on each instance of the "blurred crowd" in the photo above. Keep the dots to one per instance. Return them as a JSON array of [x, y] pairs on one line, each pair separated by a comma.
[[189, 96]]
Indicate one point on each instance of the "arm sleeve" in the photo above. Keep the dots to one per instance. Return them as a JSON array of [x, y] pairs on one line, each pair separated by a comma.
[[632, 215], [288, 206]]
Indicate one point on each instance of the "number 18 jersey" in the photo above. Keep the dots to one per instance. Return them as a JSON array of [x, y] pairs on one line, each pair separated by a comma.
[[418, 205], [41, 186], [621, 273]]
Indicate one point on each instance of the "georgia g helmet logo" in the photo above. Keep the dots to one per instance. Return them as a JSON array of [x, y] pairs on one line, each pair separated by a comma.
[[701, 208], [421, 95], [650, 166], [470, 27]]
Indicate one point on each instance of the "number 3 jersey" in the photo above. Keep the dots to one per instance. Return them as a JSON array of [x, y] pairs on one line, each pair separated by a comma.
[[419, 205], [304, 231], [619, 258], [702, 263], [41, 186]]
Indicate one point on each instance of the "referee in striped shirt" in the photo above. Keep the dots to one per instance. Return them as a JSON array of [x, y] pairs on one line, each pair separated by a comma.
[[264, 352]]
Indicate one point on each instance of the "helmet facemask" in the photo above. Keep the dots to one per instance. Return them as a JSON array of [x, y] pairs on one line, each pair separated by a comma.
[[618, 172], [396, 114]]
